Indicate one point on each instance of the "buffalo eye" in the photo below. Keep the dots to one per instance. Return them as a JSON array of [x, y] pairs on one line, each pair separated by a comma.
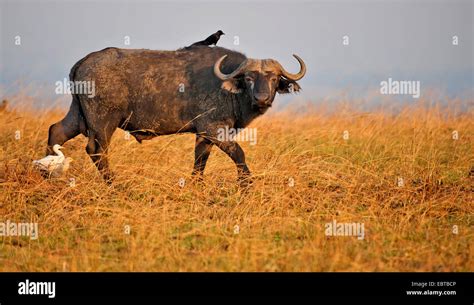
[[248, 79]]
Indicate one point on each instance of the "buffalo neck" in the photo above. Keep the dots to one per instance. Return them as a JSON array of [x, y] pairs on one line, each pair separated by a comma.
[[244, 111]]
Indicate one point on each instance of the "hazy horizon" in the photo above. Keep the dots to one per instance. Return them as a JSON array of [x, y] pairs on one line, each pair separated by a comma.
[[387, 39]]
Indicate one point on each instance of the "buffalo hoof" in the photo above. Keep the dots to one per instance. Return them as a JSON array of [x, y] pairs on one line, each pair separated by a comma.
[[109, 178], [245, 182], [197, 179]]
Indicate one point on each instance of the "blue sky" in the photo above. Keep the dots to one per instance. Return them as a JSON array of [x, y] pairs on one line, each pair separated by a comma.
[[406, 40]]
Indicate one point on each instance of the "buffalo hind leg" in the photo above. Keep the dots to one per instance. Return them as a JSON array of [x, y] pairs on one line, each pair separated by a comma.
[[97, 148], [66, 129], [202, 150]]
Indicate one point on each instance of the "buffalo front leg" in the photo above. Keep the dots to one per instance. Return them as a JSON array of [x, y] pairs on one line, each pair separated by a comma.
[[236, 153], [202, 150]]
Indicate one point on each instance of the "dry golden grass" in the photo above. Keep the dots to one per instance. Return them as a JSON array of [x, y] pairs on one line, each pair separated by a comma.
[[408, 228]]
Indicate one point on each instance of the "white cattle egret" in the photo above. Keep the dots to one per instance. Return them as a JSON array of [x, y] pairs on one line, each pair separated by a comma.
[[52, 165]]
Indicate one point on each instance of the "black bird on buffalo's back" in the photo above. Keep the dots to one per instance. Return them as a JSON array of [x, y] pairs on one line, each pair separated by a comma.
[[211, 40]]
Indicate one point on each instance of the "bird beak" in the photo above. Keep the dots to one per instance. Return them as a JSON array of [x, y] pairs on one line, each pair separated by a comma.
[[61, 147]]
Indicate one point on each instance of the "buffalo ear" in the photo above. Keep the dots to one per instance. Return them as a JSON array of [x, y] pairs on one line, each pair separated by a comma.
[[287, 86], [231, 85]]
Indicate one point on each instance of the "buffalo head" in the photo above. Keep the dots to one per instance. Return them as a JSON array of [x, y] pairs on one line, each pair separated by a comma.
[[261, 79]]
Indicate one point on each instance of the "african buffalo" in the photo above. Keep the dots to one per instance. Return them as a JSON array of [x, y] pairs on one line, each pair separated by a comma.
[[149, 93]]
